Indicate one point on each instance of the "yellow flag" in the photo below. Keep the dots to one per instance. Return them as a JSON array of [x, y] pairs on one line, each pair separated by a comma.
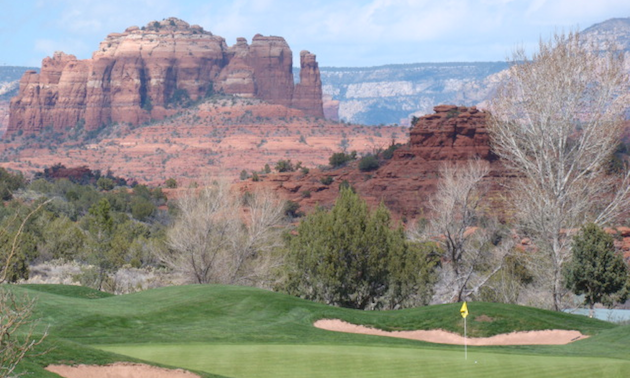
[[464, 310]]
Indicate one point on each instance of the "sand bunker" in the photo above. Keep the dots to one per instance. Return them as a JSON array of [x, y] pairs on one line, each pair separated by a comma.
[[547, 337], [118, 370]]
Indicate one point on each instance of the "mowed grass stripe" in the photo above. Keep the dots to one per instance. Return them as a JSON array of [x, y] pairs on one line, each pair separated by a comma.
[[314, 361]]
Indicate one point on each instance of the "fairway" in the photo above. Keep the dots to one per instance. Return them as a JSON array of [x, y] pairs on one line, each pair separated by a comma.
[[328, 361], [239, 332]]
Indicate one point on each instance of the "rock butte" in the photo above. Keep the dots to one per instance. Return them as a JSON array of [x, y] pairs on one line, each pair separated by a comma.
[[136, 75], [453, 134]]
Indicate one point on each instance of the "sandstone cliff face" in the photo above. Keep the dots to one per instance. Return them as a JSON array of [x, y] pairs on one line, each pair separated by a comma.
[[308, 92], [404, 183], [452, 133], [139, 75]]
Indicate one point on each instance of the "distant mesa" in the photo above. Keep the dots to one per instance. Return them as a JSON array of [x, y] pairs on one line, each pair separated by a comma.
[[145, 73]]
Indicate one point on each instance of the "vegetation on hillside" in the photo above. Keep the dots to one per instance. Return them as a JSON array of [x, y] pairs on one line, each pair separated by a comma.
[[96, 223]]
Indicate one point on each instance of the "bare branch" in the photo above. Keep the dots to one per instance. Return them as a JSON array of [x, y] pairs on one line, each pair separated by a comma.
[[17, 331], [556, 121]]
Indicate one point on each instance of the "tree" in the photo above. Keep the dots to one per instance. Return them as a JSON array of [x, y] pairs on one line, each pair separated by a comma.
[[171, 183], [61, 239], [350, 257], [142, 208], [597, 270], [285, 166], [219, 238], [9, 183], [99, 252], [368, 163], [16, 245], [17, 331], [105, 183], [340, 158], [470, 256], [556, 120]]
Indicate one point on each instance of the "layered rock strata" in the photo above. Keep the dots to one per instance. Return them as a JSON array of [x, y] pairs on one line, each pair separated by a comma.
[[146, 73], [452, 135]]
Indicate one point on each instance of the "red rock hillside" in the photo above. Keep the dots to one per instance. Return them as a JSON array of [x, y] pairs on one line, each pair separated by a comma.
[[143, 73], [219, 137], [403, 183]]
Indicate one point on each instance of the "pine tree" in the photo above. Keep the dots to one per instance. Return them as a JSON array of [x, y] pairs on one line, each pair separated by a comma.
[[597, 270]]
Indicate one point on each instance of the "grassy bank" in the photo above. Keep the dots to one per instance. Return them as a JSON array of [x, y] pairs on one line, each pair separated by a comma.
[[273, 335]]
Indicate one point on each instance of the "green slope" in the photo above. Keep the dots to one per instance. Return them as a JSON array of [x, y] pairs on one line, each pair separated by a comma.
[[217, 318]]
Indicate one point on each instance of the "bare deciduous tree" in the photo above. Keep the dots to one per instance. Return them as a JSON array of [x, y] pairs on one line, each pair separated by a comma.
[[219, 237], [17, 331], [8, 258], [470, 258], [556, 120]]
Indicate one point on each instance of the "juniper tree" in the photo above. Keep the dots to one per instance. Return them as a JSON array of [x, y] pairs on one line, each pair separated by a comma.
[[351, 257], [597, 270]]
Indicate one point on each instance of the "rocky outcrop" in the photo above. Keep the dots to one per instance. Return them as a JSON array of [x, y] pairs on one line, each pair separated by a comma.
[[146, 73], [451, 133], [308, 92], [404, 183]]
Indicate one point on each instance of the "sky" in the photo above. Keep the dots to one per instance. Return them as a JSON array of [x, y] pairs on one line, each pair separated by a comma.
[[342, 33]]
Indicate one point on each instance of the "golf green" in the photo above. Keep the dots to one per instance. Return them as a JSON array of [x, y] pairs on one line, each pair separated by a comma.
[[313, 361]]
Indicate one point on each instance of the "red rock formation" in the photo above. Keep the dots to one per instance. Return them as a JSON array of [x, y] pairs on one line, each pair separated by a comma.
[[308, 92], [405, 182], [135, 75], [452, 133], [331, 108]]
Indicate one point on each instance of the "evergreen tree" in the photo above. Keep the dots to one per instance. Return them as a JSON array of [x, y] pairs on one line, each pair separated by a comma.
[[597, 270], [350, 257], [99, 252]]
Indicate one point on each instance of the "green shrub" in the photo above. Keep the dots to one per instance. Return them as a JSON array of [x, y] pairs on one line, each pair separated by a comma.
[[141, 208], [326, 180], [389, 152], [292, 209], [171, 183], [285, 166], [105, 184], [340, 158], [368, 163]]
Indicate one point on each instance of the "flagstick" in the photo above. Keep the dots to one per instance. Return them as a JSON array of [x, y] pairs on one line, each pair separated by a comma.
[[465, 343]]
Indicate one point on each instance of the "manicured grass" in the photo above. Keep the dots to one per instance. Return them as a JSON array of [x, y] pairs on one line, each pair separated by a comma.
[[69, 291], [330, 361], [218, 324]]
